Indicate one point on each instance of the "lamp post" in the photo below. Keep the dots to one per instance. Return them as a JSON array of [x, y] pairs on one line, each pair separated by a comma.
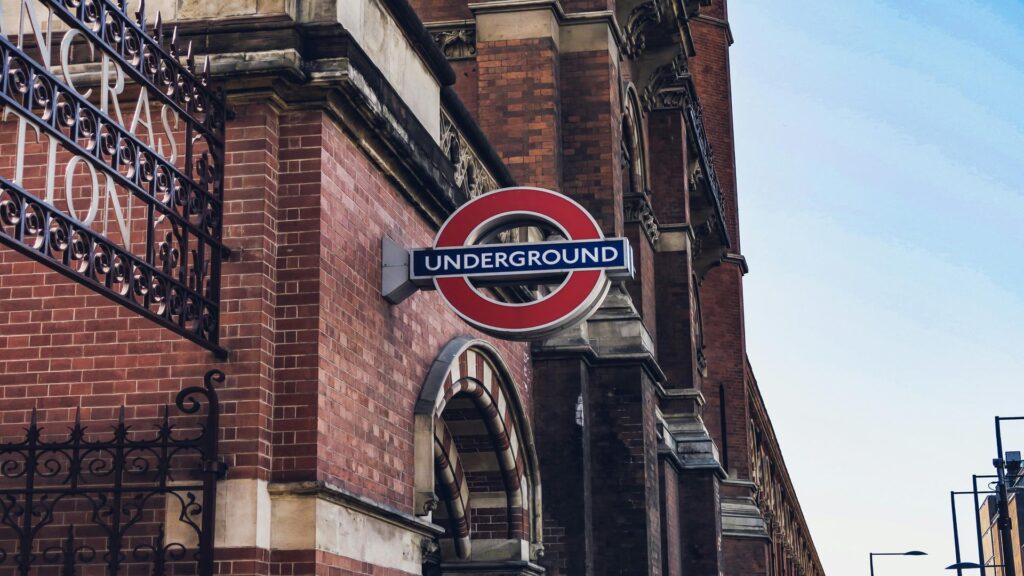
[[871, 556], [1003, 500]]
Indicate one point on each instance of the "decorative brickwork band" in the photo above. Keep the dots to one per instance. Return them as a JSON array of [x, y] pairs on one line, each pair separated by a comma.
[[482, 460], [454, 491]]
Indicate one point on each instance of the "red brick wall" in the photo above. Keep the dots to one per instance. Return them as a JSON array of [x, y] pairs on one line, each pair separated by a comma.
[[61, 345], [671, 543], [323, 373], [745, 557], [373, 356], [711, 74], [591, 135], [520, 107], [440, 10], [467, 78]]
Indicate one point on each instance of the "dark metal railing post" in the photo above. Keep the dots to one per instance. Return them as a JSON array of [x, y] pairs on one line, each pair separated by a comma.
[[25, 556], [115, 538], [213, 470], [977, 522]]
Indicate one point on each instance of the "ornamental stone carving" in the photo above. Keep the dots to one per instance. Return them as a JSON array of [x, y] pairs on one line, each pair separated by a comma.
[[641, 16], [457, 42], [470, 173], [637, 208]]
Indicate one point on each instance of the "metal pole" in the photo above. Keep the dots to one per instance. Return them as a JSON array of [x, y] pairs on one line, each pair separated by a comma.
[[1002, 499], [871, 561], [977, 523], [956, 532]]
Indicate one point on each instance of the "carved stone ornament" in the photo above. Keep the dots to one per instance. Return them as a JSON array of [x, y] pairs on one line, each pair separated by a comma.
[[638, 208], [470, 173], [672, 75], [643, 14], [457, 43]]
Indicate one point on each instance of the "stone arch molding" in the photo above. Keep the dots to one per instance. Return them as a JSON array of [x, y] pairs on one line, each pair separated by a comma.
[[473, 371]]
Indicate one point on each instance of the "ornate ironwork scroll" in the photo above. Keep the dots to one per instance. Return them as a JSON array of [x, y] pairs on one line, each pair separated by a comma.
[[125, 502], [171, 272]]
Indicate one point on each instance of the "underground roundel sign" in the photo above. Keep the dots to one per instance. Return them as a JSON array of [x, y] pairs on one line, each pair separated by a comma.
[[466, 260]]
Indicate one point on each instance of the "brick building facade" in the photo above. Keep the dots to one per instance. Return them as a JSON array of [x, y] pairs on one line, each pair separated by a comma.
[[362, 437]]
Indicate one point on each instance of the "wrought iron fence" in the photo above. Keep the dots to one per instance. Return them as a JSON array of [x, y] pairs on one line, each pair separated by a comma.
[[172, 276], [124, 502]]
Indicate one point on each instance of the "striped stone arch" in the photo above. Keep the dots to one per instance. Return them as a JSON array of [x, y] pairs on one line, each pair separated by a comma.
[[476, 466]]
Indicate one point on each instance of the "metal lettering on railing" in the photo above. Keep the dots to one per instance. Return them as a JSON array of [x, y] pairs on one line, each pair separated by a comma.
[[129, 200]]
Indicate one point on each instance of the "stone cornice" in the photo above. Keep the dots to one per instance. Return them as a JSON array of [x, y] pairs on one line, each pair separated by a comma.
[[517, 6], [320, 66], [738, 260]]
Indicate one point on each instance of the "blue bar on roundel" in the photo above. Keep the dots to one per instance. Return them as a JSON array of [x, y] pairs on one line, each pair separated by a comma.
[[515, 261]]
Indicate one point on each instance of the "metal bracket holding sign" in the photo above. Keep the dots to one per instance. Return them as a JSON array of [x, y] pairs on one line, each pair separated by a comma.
[[169, 271], [461, 263]]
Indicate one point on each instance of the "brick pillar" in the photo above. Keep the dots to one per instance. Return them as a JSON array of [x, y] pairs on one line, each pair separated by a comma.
[[519, 100], [298, 288], [674, 289], [679, 353], [642, 287], [621, 420], [700, 522], [671, 533], [624, 474], [563, 452], [592, 132]]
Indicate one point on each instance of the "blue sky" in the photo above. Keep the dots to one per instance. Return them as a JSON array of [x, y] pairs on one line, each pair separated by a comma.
[[880, 148]]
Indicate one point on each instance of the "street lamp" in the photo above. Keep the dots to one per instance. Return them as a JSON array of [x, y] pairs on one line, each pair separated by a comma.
[[966, 565], [871, 556], [1002, 496]]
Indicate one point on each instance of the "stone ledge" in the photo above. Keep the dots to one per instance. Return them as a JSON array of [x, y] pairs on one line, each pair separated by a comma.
[[336, 494]]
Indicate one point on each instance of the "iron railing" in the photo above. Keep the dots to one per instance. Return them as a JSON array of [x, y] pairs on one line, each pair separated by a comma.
[[118, 503]]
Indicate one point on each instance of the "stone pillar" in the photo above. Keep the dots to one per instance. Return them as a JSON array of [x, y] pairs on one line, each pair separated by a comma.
[[621, 415]]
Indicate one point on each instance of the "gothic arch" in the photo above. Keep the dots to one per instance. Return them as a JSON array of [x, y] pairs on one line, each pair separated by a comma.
[[476, 465]]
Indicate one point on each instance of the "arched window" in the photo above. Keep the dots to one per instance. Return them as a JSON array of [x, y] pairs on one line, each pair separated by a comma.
[[634, 157]]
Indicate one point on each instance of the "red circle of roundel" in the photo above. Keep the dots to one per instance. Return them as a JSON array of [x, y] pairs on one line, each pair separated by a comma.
[[579, 295]]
